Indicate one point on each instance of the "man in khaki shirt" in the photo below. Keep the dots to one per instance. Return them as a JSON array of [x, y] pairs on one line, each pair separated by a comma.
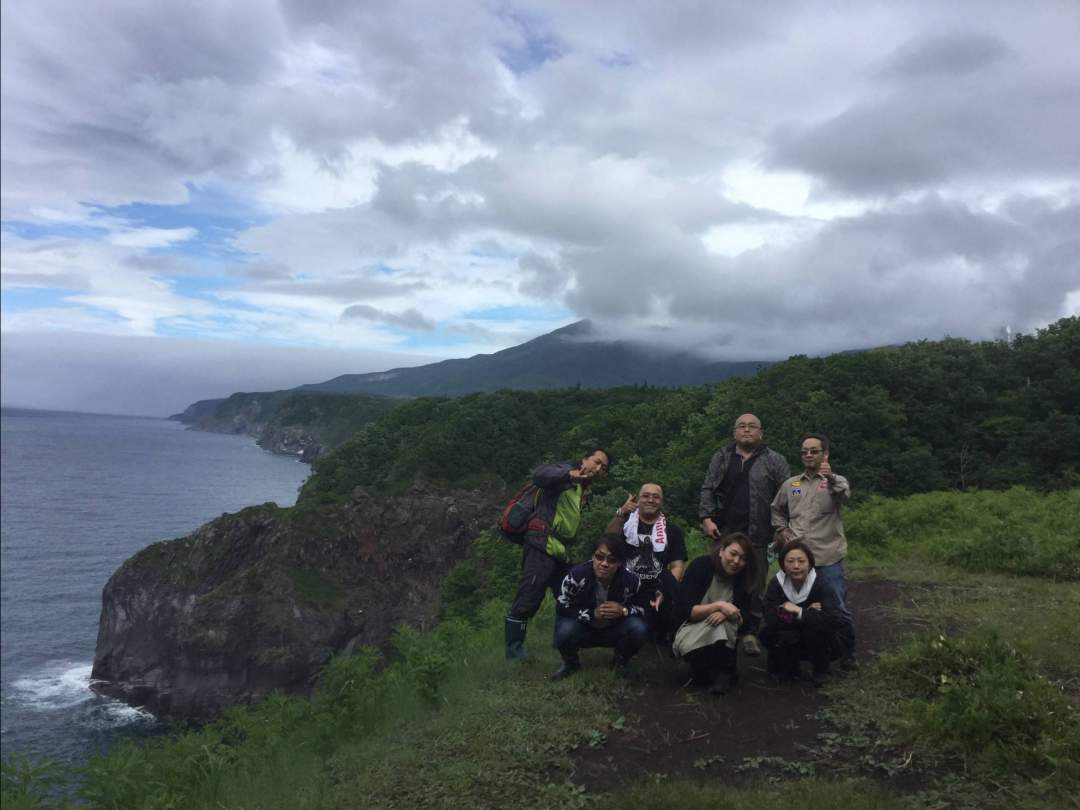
[[807, 507]]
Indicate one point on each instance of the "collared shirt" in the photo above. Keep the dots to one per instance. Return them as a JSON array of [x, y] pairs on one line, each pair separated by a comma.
[[809, 505]]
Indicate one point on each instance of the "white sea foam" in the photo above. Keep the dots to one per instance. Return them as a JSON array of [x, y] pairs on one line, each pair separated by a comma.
[[66, 685], [121, 714], [57, 685]]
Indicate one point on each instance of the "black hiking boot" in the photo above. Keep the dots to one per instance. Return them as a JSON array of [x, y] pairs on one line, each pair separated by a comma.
[[724, 682], [567, 669], [515, 639]]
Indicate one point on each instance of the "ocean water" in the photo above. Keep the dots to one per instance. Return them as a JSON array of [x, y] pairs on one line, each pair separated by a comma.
[[79, 494]]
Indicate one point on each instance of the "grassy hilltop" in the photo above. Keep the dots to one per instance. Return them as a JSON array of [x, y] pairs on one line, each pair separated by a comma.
[[964, 458]]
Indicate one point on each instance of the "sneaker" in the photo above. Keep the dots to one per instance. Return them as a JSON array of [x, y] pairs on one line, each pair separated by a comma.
[[567, 669], [751, 646]]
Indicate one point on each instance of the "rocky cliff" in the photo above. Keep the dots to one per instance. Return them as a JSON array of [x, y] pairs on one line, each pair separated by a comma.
[[289, 422], [256, 602]]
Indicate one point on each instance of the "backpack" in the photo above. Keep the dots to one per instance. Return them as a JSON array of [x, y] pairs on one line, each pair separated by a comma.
[[519, 515]]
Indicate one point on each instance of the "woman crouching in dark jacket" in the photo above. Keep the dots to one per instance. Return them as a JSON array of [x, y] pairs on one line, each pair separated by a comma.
[[802, 617], [713, 603]]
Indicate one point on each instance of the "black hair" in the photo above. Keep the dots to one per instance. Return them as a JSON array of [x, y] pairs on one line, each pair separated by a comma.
[[745, 577], [796, 545], [821, 437], [597, 449], [616, 544]]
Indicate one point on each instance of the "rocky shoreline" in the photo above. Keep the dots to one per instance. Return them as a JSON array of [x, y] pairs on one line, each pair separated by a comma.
[[257, 602]]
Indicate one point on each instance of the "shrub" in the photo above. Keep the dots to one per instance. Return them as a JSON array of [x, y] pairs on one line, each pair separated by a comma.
[[1018, 531], [28, 785], [981, 698]]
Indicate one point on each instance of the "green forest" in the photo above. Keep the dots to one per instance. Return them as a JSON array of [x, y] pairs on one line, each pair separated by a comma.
[[964, 459], [950, 414]]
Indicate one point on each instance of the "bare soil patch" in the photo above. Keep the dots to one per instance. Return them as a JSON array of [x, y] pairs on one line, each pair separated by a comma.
[[675, 729]]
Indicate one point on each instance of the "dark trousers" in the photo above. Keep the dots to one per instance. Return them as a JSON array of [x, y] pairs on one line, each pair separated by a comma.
[[626, 636], [757, 588], [539, 571], [708, 662], [834, 575], [662, 623], [788, 646]]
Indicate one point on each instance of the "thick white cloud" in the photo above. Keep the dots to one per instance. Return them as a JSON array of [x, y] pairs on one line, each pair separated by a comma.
[[734, 173]]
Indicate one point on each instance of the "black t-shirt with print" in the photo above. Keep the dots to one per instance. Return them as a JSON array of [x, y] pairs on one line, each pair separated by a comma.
[[646, 562]]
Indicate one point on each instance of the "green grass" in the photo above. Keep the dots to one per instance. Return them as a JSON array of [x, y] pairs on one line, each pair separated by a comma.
[[976, 709], [449, 723], [1018, 531], [979, 707]]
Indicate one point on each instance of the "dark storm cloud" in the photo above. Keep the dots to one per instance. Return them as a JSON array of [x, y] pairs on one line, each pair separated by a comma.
[[945, 55]]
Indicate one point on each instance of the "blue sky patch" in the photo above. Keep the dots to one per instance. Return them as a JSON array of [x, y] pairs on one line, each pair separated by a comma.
[[44, 230], [217, 216], [537, 48], [23, 299]]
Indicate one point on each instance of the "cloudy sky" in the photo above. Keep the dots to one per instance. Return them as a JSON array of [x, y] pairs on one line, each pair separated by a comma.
[[205, 197]]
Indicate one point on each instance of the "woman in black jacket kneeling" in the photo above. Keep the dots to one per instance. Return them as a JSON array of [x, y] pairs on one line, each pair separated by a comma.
[[802, 617], [713, 602]]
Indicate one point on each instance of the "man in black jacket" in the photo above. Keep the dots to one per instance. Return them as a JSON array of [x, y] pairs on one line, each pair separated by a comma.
[[544, 559], [736, 495], [600, 604]]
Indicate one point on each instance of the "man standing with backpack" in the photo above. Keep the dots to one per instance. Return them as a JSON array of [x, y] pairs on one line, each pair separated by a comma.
[[553, 522]]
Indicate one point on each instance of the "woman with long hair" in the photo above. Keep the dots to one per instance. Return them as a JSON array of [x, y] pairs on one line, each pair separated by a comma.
[[713, 605]]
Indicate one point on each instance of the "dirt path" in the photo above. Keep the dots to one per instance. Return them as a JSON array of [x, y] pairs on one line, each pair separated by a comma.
[[679, 730]]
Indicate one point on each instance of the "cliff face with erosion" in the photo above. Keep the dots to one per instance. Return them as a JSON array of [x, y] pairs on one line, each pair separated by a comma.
[[256, 415], [256, 602], [289, 422]]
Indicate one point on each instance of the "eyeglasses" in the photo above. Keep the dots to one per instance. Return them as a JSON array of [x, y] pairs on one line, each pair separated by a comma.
[[610, 559], [816, 451]]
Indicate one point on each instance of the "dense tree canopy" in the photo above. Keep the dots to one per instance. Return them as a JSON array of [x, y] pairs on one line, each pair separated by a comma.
[[915, 418]]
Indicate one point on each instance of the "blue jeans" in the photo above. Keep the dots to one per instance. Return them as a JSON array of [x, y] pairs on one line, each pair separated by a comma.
[[834, 576], [626, 636]]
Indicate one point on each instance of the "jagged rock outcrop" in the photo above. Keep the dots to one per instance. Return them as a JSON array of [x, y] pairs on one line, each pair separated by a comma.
[[256, 602]]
